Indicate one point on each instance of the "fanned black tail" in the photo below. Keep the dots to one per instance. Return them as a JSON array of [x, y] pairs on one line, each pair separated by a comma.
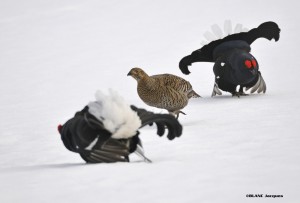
[[86, 135], [111, 151]]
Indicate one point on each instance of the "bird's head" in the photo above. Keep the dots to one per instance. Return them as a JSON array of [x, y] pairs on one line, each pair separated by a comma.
[[238, 67], [137, 73]]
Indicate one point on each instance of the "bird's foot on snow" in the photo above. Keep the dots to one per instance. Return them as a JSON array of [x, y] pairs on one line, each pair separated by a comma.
[[238, 94]]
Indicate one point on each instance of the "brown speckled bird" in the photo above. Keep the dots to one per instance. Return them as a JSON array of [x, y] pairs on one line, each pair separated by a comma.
[[163, 91]]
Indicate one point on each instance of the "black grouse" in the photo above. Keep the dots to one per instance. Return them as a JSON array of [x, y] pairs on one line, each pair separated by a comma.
[[234, 65], [106, 130]]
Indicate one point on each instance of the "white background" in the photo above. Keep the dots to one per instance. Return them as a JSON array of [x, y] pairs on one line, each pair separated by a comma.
[[55, 54]]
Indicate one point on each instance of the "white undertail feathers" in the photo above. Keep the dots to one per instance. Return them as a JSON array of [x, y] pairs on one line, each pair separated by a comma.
[[115, 114]]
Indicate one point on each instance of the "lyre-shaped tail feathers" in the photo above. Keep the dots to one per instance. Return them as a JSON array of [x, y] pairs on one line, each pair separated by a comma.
[[162, 121], [217, 33]]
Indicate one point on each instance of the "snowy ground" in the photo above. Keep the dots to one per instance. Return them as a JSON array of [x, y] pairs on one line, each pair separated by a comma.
[[55, 54]]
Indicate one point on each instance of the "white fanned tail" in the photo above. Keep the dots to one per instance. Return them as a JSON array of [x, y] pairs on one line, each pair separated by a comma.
[[216, 31]]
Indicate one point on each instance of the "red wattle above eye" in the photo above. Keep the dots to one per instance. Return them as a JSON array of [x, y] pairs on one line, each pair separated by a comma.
[[59, 127], [248, 64], [254, 63]]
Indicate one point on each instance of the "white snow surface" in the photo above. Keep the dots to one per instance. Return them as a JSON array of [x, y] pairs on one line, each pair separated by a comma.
[[55, 54]]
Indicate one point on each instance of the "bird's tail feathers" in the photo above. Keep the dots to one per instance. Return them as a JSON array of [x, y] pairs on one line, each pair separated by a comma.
[[193, 94], [140, 152], [216, 31], [260, 85], [162, 121]]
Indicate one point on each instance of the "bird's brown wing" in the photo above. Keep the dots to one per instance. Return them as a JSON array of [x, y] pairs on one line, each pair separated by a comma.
[[173, 81]]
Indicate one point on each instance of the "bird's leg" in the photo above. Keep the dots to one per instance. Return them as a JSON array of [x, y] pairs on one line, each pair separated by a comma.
[[239, 93], [176, 113]]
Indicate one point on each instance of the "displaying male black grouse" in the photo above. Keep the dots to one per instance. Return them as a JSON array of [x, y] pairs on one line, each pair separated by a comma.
[[234, 65], [106, 130]]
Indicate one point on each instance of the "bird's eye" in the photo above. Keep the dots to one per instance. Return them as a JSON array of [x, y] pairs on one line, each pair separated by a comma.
[[248, 63]]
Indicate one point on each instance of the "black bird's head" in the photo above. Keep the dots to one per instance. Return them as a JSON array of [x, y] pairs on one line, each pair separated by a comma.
[[269, 30], [238, 68]]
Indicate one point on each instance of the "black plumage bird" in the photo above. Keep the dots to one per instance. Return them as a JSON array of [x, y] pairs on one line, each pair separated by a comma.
[[106, 130], [234, 65]]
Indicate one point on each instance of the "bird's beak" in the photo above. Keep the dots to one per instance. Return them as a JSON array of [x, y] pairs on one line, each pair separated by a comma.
[[129, 74]]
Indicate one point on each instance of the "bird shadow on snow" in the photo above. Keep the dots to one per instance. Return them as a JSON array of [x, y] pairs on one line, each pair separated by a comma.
[[43, 167], [40, 167], [208, 103], [225, 97]]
